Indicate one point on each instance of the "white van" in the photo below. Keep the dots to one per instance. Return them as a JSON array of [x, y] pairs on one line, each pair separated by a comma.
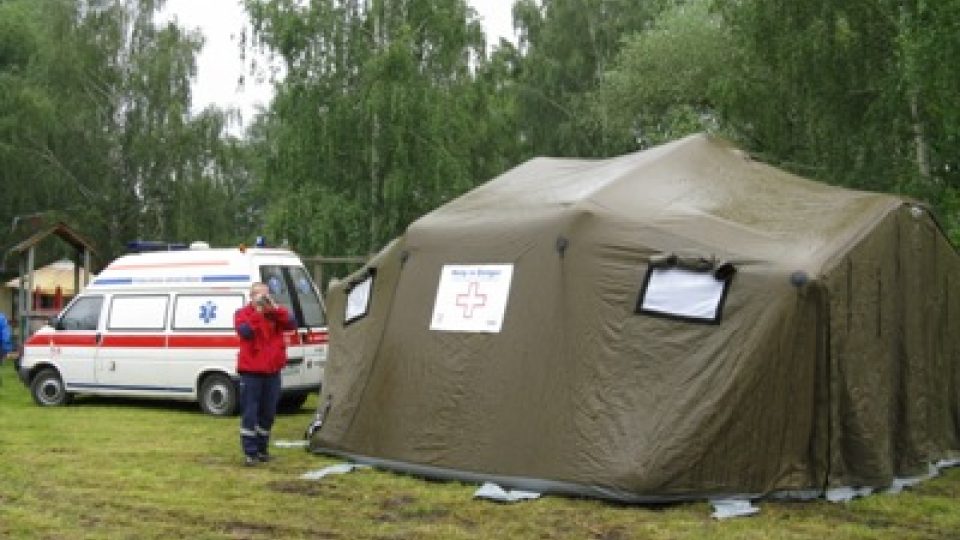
[[160, 325]]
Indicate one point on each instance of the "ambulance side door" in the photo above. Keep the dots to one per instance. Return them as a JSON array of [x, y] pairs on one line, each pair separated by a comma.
[[277, 282], [306, 348], [202, 338], [132, 354], [74, 344], [312, 319]]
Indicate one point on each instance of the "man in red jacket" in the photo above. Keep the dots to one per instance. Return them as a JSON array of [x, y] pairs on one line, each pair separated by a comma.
[[263, 353]]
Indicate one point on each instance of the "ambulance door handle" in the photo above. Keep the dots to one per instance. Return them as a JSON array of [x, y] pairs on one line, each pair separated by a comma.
[[99, 337]]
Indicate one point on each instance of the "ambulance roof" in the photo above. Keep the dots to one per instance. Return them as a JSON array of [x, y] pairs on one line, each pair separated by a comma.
[[191, 268]]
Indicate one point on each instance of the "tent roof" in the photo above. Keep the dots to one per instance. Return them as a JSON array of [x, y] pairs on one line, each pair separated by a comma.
[[700, 190]]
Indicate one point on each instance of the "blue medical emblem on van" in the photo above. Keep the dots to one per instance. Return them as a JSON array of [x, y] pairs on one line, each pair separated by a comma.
[[208, 312]]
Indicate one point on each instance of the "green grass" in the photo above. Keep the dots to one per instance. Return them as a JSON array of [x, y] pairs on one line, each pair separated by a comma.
[[111, 468]]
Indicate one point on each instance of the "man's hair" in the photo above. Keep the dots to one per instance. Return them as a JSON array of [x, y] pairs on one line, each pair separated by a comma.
[[255, 285]]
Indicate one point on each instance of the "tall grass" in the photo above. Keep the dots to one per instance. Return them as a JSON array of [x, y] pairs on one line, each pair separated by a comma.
[[114, 468]]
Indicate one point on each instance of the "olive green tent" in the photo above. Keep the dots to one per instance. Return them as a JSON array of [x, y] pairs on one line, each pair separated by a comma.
[[681, 322]]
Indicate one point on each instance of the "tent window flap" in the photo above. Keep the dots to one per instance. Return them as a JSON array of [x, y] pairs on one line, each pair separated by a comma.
[[358, 299], [683, 294]]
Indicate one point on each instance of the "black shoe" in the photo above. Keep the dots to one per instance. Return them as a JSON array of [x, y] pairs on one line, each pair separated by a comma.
[[250, 461], [264, 457]]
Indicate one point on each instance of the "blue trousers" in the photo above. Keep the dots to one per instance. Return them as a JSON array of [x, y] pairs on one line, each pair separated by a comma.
[[259, 395]]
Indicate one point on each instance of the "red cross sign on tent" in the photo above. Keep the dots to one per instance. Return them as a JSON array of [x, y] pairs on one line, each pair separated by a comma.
[[471, 298]]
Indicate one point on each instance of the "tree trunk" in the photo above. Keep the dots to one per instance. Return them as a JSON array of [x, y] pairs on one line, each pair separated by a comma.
[[919, 138], [375, 196]]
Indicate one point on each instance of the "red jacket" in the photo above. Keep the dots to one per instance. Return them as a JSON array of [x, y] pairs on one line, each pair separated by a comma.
[[262, 348]]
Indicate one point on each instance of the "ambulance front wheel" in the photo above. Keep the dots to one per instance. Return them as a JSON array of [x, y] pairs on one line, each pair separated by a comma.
[[218, 395], [48, 389]]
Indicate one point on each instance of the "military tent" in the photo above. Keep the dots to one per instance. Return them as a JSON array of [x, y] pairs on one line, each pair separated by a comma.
[[677, 323]]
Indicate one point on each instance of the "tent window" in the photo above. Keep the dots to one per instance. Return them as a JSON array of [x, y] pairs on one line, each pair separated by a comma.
[[358, 299], [683, 294]]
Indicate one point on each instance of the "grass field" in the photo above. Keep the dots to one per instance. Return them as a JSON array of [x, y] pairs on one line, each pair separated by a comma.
[[111, 468]]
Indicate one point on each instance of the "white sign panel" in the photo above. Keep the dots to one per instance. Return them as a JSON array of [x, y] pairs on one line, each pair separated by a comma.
[[471, 298]]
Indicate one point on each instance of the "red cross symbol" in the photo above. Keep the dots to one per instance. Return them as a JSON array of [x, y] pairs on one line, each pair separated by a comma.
[[472, 300]]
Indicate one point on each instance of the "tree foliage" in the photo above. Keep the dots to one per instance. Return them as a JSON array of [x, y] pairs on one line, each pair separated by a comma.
[[95, 126], [567, 47], [389, 108], [859, 93], [667, 81], [376, 122]]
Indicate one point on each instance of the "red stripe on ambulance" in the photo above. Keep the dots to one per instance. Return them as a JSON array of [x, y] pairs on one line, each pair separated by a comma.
[[317, 337], [64, 340], [162, 340], [203, 342], [133, 341]]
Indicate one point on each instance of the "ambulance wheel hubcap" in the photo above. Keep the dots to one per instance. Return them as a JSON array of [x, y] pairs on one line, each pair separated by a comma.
[[50, 390], [218, 396]]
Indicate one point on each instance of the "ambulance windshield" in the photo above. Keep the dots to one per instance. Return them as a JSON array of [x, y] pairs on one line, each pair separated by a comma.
[[292, 287]]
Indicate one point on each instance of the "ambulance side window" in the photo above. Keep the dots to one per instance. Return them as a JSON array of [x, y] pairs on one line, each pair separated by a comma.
[[83, 314], [138, 312]]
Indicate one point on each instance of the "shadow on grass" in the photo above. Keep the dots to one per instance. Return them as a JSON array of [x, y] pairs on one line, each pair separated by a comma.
[[141, 403], [154, 404]]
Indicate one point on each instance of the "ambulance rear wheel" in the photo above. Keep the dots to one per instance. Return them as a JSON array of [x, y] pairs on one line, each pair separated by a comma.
[[48, 390], [218, 395]]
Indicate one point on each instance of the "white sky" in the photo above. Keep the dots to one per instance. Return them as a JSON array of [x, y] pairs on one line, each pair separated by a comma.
[[219, 66]]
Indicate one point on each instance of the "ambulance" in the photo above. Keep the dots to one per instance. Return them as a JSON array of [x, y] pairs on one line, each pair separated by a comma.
[[160, 325]]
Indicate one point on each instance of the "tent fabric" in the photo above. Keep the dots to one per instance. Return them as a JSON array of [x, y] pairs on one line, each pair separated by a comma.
[[831, 363]]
